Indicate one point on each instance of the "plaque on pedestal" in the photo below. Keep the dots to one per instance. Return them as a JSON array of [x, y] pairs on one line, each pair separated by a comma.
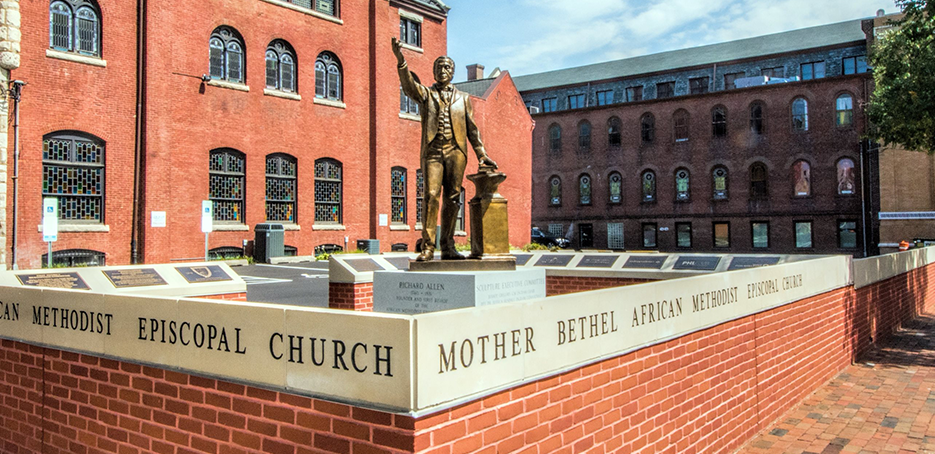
[[415, 293]]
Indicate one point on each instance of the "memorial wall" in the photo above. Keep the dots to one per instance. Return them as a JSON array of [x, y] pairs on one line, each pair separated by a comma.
[[410, 364]]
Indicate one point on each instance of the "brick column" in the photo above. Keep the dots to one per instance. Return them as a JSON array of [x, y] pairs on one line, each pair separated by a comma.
[[351, 296]]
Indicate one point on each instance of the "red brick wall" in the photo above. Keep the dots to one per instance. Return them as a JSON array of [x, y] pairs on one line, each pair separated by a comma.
[[355, 297], [708, 391], [560, 285], [242, 296], [58, 402]]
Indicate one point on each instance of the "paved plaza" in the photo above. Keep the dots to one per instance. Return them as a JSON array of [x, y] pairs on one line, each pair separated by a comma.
[[885, 403]]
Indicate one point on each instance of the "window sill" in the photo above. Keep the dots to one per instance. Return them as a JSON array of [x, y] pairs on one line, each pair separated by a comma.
[[231, 228], [418, 226], [310, 12], [330, 103], [291, 227], [68, 56], [460, 233], [409, 116], [229, 85], [410, 47], [399, 227], [282, 94], [333, 227], [79, 228]]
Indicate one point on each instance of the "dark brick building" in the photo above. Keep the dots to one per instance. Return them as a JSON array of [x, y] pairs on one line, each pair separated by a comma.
[[748, 146], [282, 111]]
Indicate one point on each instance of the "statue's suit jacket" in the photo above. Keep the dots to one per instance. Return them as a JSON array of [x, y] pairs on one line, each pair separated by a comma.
[[462, 114]]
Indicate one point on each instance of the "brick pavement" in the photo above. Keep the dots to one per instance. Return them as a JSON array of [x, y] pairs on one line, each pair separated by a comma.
[[884, 403]]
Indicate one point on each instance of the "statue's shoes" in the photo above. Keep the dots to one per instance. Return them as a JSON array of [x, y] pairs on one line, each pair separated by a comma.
[[452, 256], [426, 255]]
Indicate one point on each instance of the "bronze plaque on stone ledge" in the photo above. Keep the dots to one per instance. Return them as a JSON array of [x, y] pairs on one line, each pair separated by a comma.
[[53, 280], [140, 277]]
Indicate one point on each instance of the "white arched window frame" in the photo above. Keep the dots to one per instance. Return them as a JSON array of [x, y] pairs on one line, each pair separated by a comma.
[[328, 77], [74, 26]]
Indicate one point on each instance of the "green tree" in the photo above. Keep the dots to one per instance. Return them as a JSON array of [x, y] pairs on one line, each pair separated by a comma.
[[902, 107]]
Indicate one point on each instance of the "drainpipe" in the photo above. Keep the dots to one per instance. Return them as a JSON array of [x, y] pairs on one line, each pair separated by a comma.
[[16, 91], [864, 144], [138, 224]]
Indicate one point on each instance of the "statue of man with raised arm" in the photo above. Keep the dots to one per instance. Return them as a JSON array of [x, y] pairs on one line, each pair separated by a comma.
[[447, 126]]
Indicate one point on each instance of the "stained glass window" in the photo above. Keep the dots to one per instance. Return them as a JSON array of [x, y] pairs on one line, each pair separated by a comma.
[[649, 186], [226, 55], [719, 175], [398, 195], [328, 77], [226, 184], [616, 187], [584, 189], [681, 184], [328, 197], [73, 171], [844, 110], [801, 179], [280, 188], [555, 191], [74, 26], [846, 185]]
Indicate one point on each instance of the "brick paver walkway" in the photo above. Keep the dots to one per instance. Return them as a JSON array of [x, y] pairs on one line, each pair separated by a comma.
[[883, 404]]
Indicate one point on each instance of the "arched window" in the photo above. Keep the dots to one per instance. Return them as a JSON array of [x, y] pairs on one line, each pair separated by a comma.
[[801, 179], [719, 121], [328, 77], [398, 195], [280, 187], [226, 55], [584, 136], [555, 191], [846, 177], [800, 114], [328, 181], [613, 132], [280, 66], [555, 138], [75, 26], [226, 171], [844, 110], [758, 180], [73, 172], [757, 118], [649, 186], [584, 189], [647, 128], [719, 180], [681, 184], [680, 121], [616, 187]]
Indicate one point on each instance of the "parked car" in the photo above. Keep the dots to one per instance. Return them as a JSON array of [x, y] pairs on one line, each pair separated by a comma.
[[547, 239]]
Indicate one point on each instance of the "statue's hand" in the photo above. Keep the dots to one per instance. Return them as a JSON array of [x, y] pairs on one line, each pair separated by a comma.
[[486, 161], [397, 49]]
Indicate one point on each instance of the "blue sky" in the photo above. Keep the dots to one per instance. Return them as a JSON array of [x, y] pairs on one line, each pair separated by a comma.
[[530, 36]]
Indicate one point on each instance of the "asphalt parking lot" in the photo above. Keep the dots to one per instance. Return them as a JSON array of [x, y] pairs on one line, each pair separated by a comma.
[[298, 284]]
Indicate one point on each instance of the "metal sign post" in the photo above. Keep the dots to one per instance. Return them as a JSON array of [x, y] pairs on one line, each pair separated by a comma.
[[50, 224], [207, 221]]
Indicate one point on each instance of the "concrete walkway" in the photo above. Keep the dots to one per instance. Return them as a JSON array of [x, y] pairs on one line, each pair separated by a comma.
[[883, 404]]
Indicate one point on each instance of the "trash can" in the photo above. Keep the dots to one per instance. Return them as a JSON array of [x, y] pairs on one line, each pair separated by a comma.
[[372, 247], [269, 242]]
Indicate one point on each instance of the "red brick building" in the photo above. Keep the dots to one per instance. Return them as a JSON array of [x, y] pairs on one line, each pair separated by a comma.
[[749, 146], [277, 111]]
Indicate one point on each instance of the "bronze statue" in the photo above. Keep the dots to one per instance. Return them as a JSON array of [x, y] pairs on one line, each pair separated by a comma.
[[447, 126]]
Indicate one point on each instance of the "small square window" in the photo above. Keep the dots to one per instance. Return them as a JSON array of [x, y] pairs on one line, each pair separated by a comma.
[[847, 234], [665, 90], [576, 101], [605, 97], [635, 93], [777, 72], [649, 235], [721, 234], [813, 70], [729, 80], [549, 105], [854, 65], [698, 85]]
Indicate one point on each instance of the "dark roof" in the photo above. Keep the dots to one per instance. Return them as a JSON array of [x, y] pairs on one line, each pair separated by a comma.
[[475, 87], [777, 43], [437, 5]]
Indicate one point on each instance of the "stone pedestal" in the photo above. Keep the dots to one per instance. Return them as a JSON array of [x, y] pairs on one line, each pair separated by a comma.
[[490, 234], [403, 292]]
